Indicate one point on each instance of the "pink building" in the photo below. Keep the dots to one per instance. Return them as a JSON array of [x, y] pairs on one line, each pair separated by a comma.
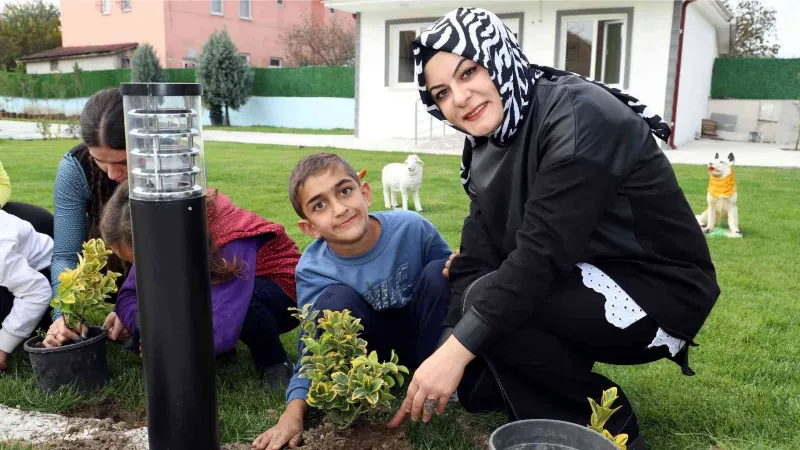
[[177, 29]]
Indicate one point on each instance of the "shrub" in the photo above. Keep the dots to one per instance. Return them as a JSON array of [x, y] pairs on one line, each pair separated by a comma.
[[345, 381]]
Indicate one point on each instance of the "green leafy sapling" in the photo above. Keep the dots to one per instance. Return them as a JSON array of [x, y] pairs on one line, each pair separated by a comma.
[[345, 381], [83, 290], [600, 415]]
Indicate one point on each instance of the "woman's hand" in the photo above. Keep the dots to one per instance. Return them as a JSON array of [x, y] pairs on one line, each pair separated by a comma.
[[116, 329], [446, 271], [436, 379], [59, 334]]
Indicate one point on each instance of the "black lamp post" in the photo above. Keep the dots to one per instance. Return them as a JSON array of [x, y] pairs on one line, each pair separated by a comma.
[[166, 175]]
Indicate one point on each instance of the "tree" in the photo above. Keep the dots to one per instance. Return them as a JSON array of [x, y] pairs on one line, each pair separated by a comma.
[[27, 28], [145, 67], [755, 30], [318, 44], [224, 74]]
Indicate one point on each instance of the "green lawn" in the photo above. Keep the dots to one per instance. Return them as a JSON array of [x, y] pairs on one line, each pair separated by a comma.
[[266, 129], [746, 394]]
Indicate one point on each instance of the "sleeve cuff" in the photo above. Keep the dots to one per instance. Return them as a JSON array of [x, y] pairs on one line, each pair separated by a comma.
[[474, 332], [9, 342], [298, 393]]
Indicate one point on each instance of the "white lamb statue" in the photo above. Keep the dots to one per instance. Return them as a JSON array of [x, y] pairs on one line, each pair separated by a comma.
[[405, 178]]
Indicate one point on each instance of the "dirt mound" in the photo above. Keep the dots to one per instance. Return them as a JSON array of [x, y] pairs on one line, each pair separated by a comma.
[[361, 436]]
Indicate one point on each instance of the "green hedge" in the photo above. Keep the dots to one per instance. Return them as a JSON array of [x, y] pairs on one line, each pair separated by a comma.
[[752, 78], [305, 82], [286, 82]]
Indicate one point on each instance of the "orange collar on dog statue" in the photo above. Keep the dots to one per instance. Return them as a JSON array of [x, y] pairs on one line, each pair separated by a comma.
[[722, 187]]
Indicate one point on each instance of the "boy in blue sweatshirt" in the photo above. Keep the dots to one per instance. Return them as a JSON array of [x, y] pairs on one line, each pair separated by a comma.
[[385, 267]]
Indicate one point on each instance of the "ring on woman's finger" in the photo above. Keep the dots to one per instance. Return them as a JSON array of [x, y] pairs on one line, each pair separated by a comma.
[[430, 404]]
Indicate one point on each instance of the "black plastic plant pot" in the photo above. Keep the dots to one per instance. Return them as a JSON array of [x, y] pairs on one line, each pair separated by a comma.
[[82, 364], [544, 434]]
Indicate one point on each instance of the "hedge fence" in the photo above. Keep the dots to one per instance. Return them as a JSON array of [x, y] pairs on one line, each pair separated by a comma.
[[284, 82], [756, 79]]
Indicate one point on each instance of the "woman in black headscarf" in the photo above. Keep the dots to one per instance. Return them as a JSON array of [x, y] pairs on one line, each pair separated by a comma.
[[579, 247]]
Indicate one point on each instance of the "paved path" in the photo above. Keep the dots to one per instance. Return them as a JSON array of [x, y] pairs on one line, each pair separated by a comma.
[[696, 152]]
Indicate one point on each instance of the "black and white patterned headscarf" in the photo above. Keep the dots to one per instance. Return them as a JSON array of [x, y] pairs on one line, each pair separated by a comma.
[[482, 37]]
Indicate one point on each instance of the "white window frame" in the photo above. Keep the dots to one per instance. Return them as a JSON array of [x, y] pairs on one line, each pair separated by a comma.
[[394, 51], [332, 11], [125, 5], [122, 61], [246, 57], [513, 24], [275, 58], [613, 18], [249, 9], [281, 3], [188, 64], [221, 8], [105, 7], [53, 62]]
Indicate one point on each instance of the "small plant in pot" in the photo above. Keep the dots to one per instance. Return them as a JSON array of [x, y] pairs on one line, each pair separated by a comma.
[[80, 296], [350, 387]]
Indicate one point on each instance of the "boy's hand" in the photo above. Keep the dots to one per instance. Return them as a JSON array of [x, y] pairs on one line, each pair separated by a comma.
[[116, 330], [3, 360], [289, 429], [446, 271]]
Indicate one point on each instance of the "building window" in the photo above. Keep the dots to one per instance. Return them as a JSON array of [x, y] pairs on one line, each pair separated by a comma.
[[188, 64], [126, 62], [280, 3], [246, 57], [400, 62], [332, 11], [105, 6], [216, 7], [275, 62], [595, 47], [244, 9], [54, 66], [126, 5]]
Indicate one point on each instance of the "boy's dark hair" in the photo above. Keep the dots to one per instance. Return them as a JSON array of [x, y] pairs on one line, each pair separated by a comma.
[[312, 165]]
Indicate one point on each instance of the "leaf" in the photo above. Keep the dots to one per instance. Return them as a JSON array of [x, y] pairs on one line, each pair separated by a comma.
[[373, 398], [359, 393]]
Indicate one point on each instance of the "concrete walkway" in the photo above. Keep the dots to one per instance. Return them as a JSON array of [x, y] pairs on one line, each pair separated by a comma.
[[745, 153], [452, 145], [696, 152]]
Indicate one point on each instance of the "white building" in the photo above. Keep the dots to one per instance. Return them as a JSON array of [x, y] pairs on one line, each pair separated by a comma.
[[90, 57], [635, 45]]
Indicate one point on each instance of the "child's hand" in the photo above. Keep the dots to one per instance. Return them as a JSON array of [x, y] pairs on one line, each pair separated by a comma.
[[446, 271], [289, 429], [116, 330]]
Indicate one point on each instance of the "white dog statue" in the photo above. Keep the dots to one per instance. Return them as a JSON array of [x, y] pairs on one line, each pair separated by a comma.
[[405, 178], [721, 197]]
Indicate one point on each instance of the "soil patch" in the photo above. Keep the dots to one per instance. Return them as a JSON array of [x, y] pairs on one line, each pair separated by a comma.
[[362, 435], [100, 441], [111, 409]]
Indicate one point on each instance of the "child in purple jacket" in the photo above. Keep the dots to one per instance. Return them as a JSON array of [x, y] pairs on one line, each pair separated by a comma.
[[252, 260]]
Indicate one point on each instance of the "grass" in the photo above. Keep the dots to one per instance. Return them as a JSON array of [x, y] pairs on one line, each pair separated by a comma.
[[267, 129], [745, 393]]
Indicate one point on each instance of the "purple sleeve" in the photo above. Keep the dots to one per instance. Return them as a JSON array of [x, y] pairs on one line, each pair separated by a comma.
[[126, 307], [231, 299]]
